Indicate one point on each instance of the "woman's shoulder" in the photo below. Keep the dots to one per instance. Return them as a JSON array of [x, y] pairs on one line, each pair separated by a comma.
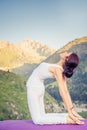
[[43, 63]]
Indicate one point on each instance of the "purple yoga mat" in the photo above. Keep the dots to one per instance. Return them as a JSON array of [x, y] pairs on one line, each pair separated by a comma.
[[29, 125]]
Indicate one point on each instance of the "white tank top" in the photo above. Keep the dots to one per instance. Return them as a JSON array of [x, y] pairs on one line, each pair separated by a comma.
[[42, 71]]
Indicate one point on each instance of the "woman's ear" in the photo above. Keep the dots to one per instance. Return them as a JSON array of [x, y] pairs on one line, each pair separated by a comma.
[[67, 58]]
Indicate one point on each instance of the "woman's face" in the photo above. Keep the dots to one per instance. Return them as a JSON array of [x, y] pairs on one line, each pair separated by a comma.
[[64, 55]]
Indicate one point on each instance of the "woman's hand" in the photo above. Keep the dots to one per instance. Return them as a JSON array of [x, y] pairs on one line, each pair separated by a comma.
[[76, 118], [76, 114]]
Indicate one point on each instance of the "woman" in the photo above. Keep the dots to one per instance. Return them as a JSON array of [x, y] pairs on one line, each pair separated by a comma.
[[35, 91]]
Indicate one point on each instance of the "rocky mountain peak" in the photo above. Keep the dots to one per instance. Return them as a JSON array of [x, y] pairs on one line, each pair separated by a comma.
[[28, 51]]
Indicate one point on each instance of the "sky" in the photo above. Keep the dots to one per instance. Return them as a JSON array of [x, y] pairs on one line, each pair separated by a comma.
[[52, 22]]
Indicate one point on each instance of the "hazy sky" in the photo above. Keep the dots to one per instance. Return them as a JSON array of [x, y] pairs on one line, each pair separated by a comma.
[[53, 22]]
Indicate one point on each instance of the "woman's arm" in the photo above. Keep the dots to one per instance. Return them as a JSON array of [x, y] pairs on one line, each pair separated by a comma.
[[72, 111], [66, 96], [63, 89]]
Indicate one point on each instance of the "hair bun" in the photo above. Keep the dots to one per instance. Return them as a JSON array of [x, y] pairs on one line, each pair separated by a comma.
[[68, 72]]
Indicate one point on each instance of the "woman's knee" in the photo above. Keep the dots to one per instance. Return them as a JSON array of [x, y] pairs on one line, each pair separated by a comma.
[[38, 120]]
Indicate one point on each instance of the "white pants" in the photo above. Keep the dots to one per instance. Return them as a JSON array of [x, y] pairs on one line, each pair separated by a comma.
[[35, 98]]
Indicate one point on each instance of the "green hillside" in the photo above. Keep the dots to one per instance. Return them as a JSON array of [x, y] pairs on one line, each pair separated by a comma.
[[13, 104], [13, 97]]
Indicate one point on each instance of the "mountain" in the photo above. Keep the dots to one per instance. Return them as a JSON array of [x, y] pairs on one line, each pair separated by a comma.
[[28, 51], [73, 43], [78, 45], [41, 49], [9, 53]]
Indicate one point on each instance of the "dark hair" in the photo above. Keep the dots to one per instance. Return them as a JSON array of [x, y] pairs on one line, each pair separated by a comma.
[[71, 63]]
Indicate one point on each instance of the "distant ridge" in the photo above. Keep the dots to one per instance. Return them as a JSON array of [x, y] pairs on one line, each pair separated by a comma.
[[78, 45], [28, 51], [72, 43]]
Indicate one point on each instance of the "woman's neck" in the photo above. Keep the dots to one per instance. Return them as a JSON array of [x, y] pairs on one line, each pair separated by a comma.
[[61, 62]]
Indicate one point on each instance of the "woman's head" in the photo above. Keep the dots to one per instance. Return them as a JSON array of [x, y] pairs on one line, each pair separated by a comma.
[[70, 63]]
